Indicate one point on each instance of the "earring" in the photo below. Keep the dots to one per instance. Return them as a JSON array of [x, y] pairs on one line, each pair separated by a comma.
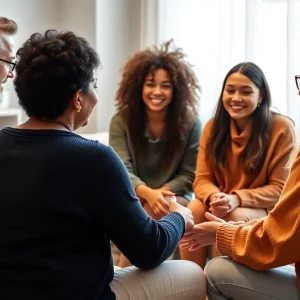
[[258, 105], [79, 109]]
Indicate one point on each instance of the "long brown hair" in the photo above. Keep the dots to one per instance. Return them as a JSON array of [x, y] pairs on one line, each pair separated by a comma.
[[183, 108], [256, 149]]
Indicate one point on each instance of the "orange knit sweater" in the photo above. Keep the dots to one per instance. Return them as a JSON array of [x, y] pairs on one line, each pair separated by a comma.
[[260, 190], [272, 241]]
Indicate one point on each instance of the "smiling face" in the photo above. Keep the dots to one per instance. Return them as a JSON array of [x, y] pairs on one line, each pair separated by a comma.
[[6, 53], [157, 91], [240, 98]]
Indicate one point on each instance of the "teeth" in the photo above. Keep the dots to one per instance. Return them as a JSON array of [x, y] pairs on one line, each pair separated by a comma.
[[237, 107], [155, 101]]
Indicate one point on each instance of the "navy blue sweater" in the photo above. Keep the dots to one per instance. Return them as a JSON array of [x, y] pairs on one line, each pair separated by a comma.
[[63, 198]]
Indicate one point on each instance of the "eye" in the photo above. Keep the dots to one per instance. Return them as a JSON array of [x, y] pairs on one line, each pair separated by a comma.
[[149, 84], [230, 91], [166, 86]]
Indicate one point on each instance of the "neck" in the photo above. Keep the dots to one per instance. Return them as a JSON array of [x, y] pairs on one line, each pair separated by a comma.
[[39, 124], [156, 117], [241, 124]]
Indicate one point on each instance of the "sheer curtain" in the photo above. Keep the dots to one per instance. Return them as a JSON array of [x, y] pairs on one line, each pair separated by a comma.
[[217, 34]]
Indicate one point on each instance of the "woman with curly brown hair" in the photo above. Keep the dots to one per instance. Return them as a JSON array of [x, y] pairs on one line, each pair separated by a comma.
[[156, 130]]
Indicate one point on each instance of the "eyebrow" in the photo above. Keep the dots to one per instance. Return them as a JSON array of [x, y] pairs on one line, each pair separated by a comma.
[[165, 81], [243, 86]]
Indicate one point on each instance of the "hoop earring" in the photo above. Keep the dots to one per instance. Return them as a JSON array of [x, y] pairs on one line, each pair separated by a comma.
[[79, 109]]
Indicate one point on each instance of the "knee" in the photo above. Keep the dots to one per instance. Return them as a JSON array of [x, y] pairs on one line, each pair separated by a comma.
[[216, 269], [236, 215], [198, 209], [193, 278]]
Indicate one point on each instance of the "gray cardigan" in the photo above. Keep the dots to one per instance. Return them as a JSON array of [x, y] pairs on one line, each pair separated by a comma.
[[146, 168]]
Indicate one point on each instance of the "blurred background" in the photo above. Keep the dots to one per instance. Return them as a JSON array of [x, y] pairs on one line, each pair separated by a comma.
[[215, 35]]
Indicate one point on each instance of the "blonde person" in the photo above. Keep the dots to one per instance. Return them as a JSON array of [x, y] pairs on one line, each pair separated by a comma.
[[156, 130], [8, 29], [243, 153], [259, 252]]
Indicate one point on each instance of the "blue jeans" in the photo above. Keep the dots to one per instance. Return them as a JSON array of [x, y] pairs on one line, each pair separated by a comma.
[[229, 280]]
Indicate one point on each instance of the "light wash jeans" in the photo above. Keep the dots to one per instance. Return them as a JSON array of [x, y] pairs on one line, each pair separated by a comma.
[[172, 280], [229, 280]]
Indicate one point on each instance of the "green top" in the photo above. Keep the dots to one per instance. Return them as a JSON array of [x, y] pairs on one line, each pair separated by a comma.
[[146, 168]]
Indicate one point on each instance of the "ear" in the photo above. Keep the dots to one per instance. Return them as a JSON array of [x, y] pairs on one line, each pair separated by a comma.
[[76, 100], [261, 97]]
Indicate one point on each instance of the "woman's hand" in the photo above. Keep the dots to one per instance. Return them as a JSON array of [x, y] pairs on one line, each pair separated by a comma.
[[201, 234], [155, 199], [185, 212], [222, 204]]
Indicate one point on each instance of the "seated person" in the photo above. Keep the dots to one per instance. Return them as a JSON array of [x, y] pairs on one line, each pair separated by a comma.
[[63, 197], [243, 154], [156, 130], [260, 252]]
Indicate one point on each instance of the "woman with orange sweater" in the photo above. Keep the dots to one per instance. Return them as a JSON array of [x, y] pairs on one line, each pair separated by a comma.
[[270, 244], [243, 153]]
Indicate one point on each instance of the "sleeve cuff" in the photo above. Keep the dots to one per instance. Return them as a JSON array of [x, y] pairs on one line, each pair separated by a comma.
[[245, 196], [136, 182], [224, 239]]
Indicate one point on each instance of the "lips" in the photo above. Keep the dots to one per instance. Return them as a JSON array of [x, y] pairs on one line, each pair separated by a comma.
[[237, 107], [156, 101]]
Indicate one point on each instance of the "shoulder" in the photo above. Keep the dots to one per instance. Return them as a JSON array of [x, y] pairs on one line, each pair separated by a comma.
[[97, 153], [118, 120], [282, 124], [196, 125], [208, 126]]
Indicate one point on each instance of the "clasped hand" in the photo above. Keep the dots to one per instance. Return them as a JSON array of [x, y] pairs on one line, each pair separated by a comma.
[[205, 233], [157, 202], [201, 234], [222, 204]]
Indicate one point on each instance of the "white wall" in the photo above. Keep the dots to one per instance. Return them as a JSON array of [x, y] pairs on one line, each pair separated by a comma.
[[31, 16], [118, 36], [112, 26]]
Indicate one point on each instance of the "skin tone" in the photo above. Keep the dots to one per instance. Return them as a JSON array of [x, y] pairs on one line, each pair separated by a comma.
[[75, 116], [7, 53], [240, 99], [205, 233], [157, 94]]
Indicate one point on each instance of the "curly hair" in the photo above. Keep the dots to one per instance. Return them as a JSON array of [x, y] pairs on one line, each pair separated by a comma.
[[183, 108], [8, 26], [51, 68], [255, 152]]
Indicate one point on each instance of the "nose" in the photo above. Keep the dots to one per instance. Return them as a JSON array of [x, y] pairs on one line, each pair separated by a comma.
[[10, 74], [157, 90], [236, 97]]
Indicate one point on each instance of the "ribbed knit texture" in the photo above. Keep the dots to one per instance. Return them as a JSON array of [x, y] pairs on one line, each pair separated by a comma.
[[148, 166], [63, 198], [272, 241], [260, 190]]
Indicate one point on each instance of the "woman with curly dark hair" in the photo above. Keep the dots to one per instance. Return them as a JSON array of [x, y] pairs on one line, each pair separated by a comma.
[[156, 130], [244, 149], [60, 194]]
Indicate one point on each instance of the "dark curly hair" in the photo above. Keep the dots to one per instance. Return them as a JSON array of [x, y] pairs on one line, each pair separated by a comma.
[[183, 108], [51, 68], [255, 152]]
